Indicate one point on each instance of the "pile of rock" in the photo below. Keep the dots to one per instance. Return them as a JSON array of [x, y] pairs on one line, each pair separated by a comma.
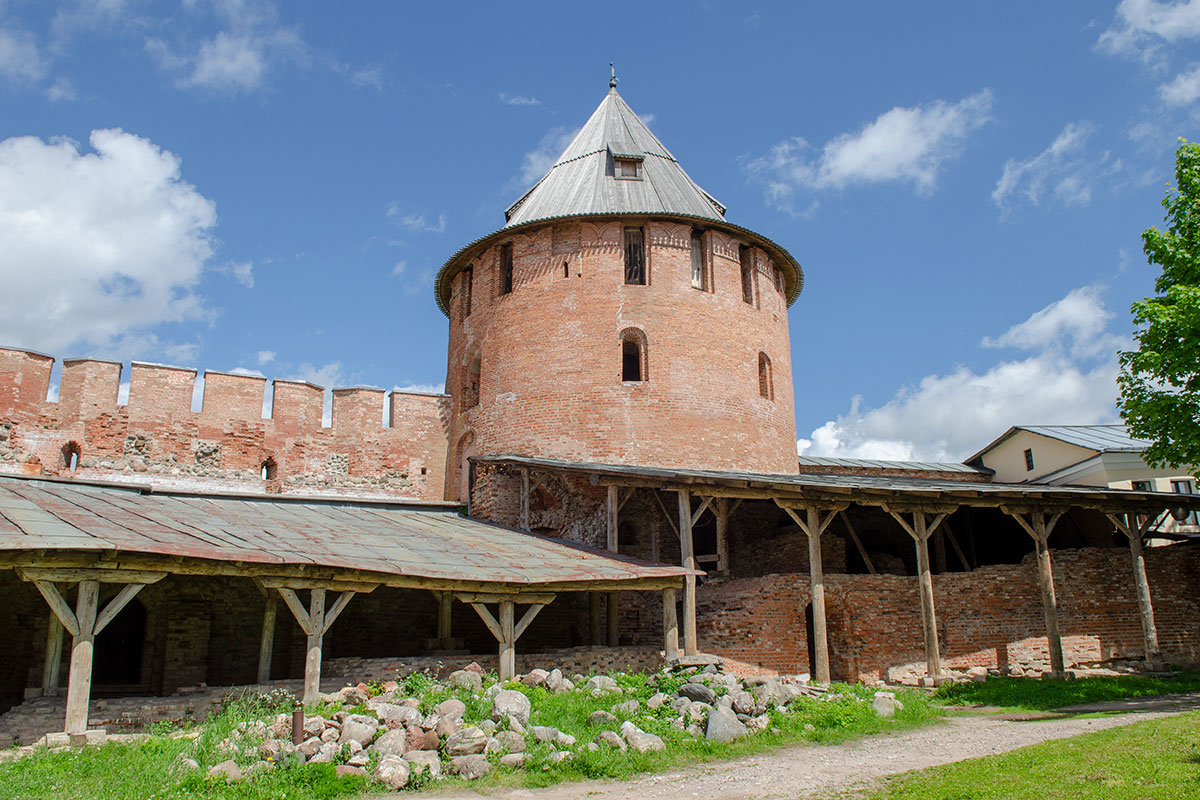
[[396, 742]]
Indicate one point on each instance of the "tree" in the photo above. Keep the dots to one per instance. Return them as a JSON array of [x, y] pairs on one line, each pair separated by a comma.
[[1160, 380]]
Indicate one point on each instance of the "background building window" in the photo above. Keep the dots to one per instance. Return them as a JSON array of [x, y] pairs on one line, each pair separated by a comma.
[[1185, 487], [699, 278], [1029, 460], [635, 256], [506, 268]]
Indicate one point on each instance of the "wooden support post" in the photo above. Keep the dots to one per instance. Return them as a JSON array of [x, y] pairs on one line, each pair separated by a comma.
[[939, 550], [508, 641], [524, 499], [723, 535], [688, 557], [1135, 533], [79, 681], [445, 614], [614, 520], [266, 645], [316, 635], [53, 660], [962, 558], [670, 626], [814, 525], [613, 634], [920, 530], [1038, 528], [862, 551]]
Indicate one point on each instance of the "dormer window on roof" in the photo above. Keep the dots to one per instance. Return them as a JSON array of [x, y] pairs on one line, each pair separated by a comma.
[[627, 167]]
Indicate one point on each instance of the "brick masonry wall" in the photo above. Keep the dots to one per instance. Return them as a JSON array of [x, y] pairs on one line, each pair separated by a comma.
[[549, 354], [990, 617], [157, 438]]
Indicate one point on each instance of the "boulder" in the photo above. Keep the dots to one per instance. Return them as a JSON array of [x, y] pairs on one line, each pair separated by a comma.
[[313, 726], [359, 728], [470, 767], [447, 725], [639, 740], [656, 700], [680, 704], [511, 703], [466, 742], [328, 752], [602, 718], [511, 741], [228, 770], [466, 679], [559, 756], [628, 708], [886, 705], [612, 739], [601, 684], [513, 760], [392, 743], [346, 771], [536, 677], [553, 735], [422, 761], [977, 674], [452, 708], [393, 771], [310, 747], [558, 684], [723, 726], [742, 702], [698, 692], [359, 759]]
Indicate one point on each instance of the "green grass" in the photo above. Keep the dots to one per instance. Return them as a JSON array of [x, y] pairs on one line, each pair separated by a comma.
[[1032, 694], [1154, 760], [125, 772]]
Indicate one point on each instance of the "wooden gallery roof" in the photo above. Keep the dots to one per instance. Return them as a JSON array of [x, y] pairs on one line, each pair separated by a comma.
[[47, 523]]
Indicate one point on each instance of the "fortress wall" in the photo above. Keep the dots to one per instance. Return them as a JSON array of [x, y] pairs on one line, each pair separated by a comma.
[[227, 445]]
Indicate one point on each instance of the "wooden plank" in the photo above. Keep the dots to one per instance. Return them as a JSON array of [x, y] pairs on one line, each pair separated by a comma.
[[722, 512], [705, 505], [67, 575], [328, 584], [52, 664], [933, 658], [312, 660], [542, 598], [666, 514], [58, 605], [79, 680], [816, 578], [612, 506], [508, 642], [625, 499], [524, 520], [527, 619], [862, 551], [670, 626], [266, 642], [686, 546], [488, 620], [297, 609], [962, 559], [115, 605], [338, 607], [445, 615]]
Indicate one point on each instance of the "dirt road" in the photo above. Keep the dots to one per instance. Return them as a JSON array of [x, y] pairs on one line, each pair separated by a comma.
[[806, 770]]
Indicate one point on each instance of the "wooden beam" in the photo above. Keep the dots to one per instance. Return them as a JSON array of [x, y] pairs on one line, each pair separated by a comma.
[[705, 505], [312, 660], [667, 514], [722, 513], [527, 619], [70, 575], [542, 598], [488, 620], [338, 607], [508, 642], [328, 584], [962, 559], [266, 641], [79, 680], [52, 664], [297, 608], [814, 524], [920, 530], [115, 605], [613, 628], [688, 558], [1135, 533], [445, 616], [1039, 529], [625, 498], [862, 551], [58, 605], [613, 506], [670, 626], [524, 500], [595, 618]]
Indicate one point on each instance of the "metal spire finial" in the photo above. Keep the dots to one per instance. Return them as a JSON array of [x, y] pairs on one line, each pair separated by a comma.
[[612, 82]]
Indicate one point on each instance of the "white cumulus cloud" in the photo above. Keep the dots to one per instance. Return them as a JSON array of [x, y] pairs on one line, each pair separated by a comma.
[[20, 58], [1184, 89], [905, 145], [1143, 25], [421, 388], [537, 162], [265, 356], [97, 247], [1068, 376]]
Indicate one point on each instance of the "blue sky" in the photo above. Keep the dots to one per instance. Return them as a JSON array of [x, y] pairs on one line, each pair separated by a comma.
[[241, 184]]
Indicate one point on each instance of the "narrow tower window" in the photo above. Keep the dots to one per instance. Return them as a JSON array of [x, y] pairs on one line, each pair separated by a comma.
[[506, 268], [468, 286], [70, 454], [566, 269], [269, 469], [470, 390], [698, 271], [633, 356], [745, 257], [635, 257], [765, 386]]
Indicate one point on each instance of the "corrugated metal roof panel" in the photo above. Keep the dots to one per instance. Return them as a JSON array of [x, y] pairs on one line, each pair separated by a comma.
[[875, 463], [1105, 438], [432, 544]]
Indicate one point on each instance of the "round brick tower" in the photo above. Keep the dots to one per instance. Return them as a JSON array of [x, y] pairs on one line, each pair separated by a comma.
[[617, 318]]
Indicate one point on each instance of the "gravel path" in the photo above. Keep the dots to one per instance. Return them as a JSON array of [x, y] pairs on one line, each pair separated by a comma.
[[805, 770]]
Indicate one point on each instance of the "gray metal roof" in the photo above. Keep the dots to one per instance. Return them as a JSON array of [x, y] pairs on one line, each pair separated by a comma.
[[875, 463], [1101, 438], [582, 181], [868, 489], [274, 535]]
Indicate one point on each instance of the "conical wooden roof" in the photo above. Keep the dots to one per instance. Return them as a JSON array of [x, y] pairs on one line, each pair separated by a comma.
[[583, 180]]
